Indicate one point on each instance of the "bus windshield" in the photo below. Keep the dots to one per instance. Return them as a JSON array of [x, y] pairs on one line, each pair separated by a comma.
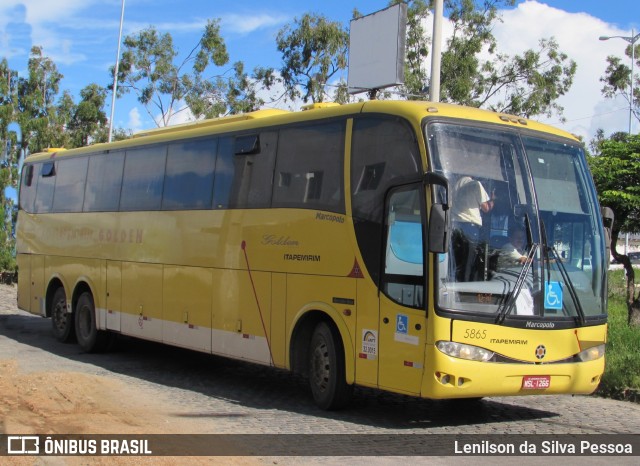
[[525, 238]]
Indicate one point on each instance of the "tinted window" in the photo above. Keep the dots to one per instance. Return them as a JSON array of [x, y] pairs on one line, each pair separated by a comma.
[[189, 180], [143, 178], [383, 152], [46, 185], [104, 180], [245, 180], [69, 193], [383, 149], [28, 186], [309, 167]]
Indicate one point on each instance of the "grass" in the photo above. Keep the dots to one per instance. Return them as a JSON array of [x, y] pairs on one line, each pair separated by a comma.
[[621, 379]]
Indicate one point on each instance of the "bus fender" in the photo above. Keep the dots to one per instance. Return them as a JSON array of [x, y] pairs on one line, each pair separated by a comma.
[[59, 278], [337, 319]]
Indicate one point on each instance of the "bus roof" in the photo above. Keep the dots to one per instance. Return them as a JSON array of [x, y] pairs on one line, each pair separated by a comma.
[[415, 111]]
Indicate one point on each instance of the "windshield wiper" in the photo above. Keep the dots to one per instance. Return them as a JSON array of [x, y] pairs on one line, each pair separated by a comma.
[[572, 289], [563, 271], [507, 305]]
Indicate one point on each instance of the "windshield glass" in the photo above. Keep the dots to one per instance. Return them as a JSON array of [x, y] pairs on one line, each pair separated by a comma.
[[525, 238]]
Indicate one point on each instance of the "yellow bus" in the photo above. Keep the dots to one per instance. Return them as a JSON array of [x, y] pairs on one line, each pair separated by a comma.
[[330, 242]]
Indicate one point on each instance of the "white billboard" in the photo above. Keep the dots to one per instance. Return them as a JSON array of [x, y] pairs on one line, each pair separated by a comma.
[[377, 49]]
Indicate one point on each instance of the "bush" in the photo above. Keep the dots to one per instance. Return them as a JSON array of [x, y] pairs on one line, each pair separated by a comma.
[[8, 267], [621, 379]]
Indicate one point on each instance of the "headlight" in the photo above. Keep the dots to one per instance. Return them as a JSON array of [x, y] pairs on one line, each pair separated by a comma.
[[462, 351], [591, 354]]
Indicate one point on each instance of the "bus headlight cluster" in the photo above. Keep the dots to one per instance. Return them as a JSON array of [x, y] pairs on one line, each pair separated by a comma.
[[591, 354], [462, 351]]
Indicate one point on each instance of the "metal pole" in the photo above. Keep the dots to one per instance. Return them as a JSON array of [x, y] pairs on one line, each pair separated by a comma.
[[633, 59], [115, 75], [436, 42]]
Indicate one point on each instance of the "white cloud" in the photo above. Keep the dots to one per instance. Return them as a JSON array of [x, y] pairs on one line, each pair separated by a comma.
[[135, 121], [245, 24], [577, 35]]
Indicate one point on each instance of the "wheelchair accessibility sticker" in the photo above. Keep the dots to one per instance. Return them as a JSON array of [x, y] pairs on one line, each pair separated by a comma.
[[402, 330], [402, 322], [553, 295]]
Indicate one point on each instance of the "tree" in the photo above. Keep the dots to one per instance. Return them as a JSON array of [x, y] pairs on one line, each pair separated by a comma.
[[45, 119], [616, 173], [8, 171], [417, 46], [528, 84], [35, 103], [616, 80], [314, 51], [147, 68], [89, 121], [232, 95]]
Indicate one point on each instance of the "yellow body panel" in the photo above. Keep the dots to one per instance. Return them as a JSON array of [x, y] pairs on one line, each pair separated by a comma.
[[237, 282]]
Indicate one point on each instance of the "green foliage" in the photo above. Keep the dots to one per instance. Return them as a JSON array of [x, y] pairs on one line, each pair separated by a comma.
[[314, 50], [88, 117], [45, 119], [148, 68], [417, 47], [616, 80], [616, 174], [525, 84], [621, 378]]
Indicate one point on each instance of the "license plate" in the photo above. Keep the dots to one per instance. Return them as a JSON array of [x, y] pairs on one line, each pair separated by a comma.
[[536, 382]]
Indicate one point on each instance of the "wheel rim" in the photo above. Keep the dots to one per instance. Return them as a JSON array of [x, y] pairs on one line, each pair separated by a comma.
[[59, 315], [320, 366]]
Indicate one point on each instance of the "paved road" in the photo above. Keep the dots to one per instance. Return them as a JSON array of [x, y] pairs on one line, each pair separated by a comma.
[[224, 396]]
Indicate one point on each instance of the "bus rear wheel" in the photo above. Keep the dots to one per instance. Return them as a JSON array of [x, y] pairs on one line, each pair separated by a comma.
[[327, 369], [89, 337], [61, 321]]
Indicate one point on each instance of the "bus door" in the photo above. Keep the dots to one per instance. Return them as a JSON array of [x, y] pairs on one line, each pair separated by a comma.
[[402, 299]]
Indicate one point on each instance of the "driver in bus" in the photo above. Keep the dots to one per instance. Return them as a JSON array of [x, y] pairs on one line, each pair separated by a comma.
[[513, 252], [470, 200]]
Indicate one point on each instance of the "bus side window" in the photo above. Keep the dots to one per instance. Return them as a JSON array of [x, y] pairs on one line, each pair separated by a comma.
[[143, 178], [69, 190], [244, 171], [189, 179], [383, 150], [309, 168], [104, 181], [46, 185], [28, 186]]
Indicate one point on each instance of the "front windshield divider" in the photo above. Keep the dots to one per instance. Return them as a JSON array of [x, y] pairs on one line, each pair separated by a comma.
[[505, 309], [572, 290]]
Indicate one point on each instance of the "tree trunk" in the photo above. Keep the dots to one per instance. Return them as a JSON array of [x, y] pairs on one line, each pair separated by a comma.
[[633, 302]]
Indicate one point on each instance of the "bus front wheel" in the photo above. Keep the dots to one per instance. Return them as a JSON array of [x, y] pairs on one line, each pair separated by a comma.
[[61, 320], [89, 337], [327, 369]]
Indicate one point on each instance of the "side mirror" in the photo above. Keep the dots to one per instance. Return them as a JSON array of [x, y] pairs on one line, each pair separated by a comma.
[[440, 180], [438, 229], [439, 215]]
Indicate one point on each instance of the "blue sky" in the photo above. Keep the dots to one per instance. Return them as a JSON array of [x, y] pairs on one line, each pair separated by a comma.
[[81, 37]]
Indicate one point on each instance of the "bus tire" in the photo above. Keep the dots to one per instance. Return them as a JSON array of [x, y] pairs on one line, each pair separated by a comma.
[[89, 337], [62, 325], [327, 369]]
